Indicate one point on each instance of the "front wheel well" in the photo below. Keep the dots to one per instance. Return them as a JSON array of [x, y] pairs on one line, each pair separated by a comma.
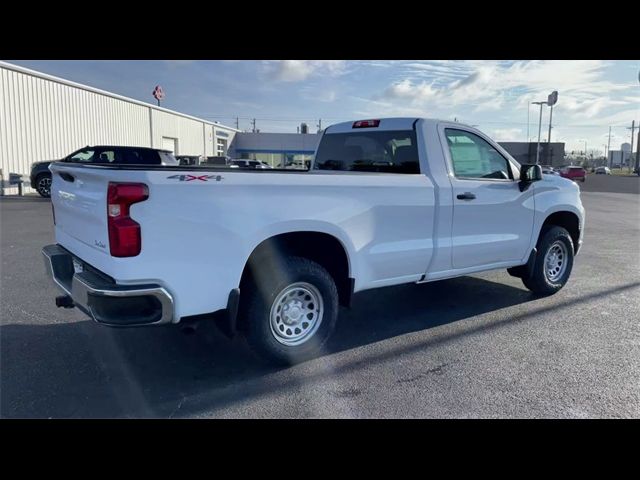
[[567, 220], [321, 248]]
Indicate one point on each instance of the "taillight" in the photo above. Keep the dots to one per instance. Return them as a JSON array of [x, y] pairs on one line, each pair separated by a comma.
[[366, 123], [124, 232]]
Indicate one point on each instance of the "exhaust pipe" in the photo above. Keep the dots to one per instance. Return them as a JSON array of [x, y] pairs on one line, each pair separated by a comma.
[[64, 301]]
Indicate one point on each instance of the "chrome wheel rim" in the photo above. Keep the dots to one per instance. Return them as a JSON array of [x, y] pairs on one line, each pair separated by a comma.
[[555, 261], [44, 185], [296, 314]]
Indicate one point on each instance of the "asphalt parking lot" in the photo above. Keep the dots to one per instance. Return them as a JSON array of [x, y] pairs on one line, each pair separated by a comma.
[[477, 346]]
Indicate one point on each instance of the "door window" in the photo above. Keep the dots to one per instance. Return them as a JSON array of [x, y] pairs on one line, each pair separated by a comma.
[[474, 157]]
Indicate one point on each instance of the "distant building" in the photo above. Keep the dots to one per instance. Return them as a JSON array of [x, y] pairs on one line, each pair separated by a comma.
[[525, 152], [618, 158], [279, 150], [286, 149]]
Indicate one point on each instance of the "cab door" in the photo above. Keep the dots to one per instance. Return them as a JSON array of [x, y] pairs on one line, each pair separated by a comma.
[[492, 218]]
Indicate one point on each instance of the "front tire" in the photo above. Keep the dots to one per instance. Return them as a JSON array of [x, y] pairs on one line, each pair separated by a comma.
[[554, 262], [288, 310], [43, 185]]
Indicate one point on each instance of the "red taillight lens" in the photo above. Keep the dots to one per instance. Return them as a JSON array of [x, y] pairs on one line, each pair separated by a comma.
[[366, 123], [124, 232]]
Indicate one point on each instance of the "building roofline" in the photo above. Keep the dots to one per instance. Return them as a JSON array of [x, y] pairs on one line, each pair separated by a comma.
[[52, 78]]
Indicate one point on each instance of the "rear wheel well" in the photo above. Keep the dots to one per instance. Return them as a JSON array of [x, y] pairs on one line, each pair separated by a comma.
[[567, 220], [321, 248]]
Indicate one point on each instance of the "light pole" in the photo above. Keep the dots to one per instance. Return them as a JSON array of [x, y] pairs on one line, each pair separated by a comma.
[[551, 101], [539, 130], [528, 118]]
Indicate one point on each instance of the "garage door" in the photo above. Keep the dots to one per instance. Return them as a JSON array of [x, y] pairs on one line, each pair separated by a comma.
[[170, 144]]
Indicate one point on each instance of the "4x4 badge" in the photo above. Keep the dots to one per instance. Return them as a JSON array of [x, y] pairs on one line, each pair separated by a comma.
[[190, 178]]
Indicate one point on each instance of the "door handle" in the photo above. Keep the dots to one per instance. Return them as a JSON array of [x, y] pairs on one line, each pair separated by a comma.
[[67, 176], [466, 196]]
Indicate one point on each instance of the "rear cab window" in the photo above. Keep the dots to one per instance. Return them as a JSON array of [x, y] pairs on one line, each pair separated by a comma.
[[390, 151]]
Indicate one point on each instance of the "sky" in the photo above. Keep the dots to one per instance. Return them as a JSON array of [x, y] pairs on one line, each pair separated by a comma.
[[493, 95]]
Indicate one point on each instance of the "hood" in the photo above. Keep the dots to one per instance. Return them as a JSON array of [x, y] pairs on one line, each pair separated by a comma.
[[559, 181]]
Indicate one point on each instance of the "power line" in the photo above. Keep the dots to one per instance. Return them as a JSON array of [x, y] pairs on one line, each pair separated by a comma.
[[298, 119]]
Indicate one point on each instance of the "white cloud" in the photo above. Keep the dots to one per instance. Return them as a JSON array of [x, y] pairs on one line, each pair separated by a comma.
[[414, 92], [507, 135], [299, 70], [487, 85]]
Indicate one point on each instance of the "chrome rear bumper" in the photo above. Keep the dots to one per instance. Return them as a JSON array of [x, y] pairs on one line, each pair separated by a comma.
[[101, 298]]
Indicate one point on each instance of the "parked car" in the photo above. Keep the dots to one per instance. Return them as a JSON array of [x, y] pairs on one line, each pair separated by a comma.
[[547, 170], [188, 159], [217, 160], [100, 154], [244, 163], [603, 171], [273, 256], [574, 173]]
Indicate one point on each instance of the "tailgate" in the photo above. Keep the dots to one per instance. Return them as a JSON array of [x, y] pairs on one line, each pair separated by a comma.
[[79, 197]]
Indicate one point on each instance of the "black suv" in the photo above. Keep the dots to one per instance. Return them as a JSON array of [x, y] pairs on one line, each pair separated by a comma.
[[41, 176]]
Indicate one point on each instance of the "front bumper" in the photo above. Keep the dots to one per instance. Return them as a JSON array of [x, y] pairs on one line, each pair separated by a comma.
[[101, 298]]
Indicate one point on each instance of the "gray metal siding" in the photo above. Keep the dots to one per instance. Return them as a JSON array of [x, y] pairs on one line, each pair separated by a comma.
[[45, 118], [187, 131]]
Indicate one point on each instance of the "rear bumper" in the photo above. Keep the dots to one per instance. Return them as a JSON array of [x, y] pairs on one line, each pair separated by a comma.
[[101, 298]]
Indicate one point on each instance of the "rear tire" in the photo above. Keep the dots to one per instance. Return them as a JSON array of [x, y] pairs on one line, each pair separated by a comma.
[[43, 185], [288, 309], [553, 263]]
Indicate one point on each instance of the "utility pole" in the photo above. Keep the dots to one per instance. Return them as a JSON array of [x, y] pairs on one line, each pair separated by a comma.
[[237, 123], [319, 125], [633, 126], [549, 137], [638, 153], [551, 101], [254, 125], [609, 149], [585, 151], [528, 119], [539, 130]]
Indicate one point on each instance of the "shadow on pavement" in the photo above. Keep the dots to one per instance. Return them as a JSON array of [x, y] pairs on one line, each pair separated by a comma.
[[29, 198], [85, 370]]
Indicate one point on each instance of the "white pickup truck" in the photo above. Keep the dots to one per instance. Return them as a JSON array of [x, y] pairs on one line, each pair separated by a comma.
[[273, 253]]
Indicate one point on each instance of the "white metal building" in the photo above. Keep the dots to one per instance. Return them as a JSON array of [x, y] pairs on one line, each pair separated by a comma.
[[43, 117]]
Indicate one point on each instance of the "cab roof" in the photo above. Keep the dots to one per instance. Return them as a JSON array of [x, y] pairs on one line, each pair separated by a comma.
[[393, 123]]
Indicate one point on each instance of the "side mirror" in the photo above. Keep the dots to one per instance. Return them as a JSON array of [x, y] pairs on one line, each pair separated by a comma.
[[529, 173]]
